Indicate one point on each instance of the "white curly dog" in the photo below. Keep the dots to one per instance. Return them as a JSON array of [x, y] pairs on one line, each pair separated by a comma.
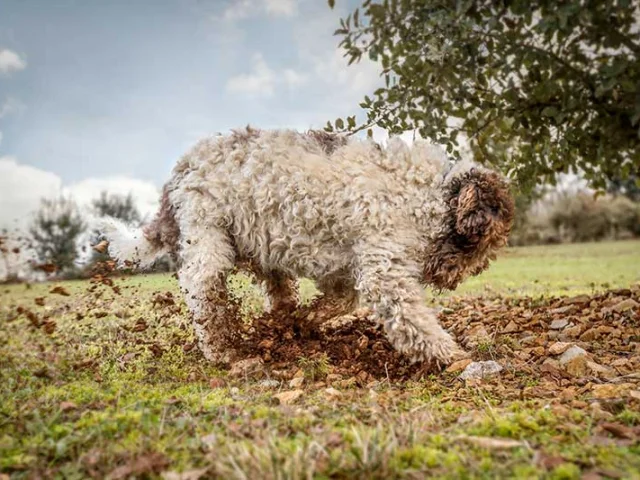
[[365, 222]]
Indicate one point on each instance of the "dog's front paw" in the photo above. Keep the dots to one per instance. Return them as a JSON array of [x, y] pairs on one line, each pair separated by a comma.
[[425, 346]]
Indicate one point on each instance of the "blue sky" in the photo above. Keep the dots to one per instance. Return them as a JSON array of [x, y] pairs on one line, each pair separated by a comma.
[[108, 94]]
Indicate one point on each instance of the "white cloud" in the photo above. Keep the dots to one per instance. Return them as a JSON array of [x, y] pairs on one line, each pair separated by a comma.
[[293, 78], [263, 81], [285, 8], [10, 105], [10, 61], [237, 10], [23, 187], [260, 82]]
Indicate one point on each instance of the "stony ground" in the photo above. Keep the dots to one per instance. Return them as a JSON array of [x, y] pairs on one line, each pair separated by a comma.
[[102, 379]]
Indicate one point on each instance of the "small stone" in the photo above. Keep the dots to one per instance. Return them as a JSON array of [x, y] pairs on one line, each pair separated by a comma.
[[216, 382], [589, 335], [269, 383], [333, 377], [296, 382], [477, 370], [598, 412], [600, 371], [574, 361], [571, 353], [476, 336], [625, 305], [559, 310], [299, 373], [67, 406], [247, 368], [209, 440], [537, 351], [289, 397], [332, 393], [609, 391], [572, 332], [511, 327], [559, 347], [558, 324], [579, 299], [458, 366]]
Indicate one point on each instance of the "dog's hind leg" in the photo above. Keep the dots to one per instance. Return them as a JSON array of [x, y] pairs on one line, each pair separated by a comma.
[[207, 257]]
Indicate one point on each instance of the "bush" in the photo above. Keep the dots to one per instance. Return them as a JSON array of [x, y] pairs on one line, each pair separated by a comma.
[[580, 218]]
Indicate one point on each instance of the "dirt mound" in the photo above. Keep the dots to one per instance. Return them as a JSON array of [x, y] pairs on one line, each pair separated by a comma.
[[352, 345], [523, 333]]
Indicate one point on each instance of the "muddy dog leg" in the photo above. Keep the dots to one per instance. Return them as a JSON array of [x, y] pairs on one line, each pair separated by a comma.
[[207, 257], [389, 284]]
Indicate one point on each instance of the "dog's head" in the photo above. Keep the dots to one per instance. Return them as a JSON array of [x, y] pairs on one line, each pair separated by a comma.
[[477, 221]]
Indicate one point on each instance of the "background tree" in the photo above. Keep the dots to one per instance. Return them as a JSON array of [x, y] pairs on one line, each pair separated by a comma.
[[121, 207], [55, 232], [536, 86]]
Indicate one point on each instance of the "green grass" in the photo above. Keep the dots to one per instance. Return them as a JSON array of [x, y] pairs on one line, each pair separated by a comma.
[[94, 395]]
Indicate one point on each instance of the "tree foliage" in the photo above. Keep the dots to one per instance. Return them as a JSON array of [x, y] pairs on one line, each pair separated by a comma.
[[536, 86], [55, 232], [121, 207]]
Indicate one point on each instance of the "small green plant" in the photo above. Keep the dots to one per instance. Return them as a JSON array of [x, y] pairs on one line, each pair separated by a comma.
[[316, 367]]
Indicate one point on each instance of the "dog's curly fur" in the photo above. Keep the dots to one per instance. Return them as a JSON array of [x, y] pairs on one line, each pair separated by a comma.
[[365, 222]]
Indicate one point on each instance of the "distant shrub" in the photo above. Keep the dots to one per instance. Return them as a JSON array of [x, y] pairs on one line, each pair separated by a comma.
[[580, 218]]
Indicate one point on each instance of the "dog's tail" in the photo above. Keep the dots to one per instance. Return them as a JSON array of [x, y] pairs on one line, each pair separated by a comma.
[[140, 247]]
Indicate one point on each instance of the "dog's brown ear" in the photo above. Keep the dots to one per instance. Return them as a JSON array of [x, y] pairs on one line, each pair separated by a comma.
[[472, 216]]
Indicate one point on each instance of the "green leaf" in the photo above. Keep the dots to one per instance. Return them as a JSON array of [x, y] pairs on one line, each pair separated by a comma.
[[339, 123], [332, 3]]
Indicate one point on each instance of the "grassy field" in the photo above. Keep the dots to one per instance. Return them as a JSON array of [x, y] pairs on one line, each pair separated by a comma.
[[98, 384]]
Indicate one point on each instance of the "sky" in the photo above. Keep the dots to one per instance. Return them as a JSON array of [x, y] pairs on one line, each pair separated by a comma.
[[99, 95]]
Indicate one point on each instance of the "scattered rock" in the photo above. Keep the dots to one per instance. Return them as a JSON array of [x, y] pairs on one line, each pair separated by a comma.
[[248, 367], [477, 370], [476, 336], [332, 393], [625, 305], [574, 361], [492, 443], [511, 327], [590, 335], [559, 347], [269, 383], [459, 365], [600, 371], [608, 390], [560, 310], [289, 397], [68, 406], [60, 290], [571, 353], [216, 382], [558, 324], [577, 300], [296, 382]]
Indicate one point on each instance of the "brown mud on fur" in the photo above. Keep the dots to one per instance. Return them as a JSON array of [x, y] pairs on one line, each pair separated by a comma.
[[329, 142], [479, 219], [163, 231], [243, 136]]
